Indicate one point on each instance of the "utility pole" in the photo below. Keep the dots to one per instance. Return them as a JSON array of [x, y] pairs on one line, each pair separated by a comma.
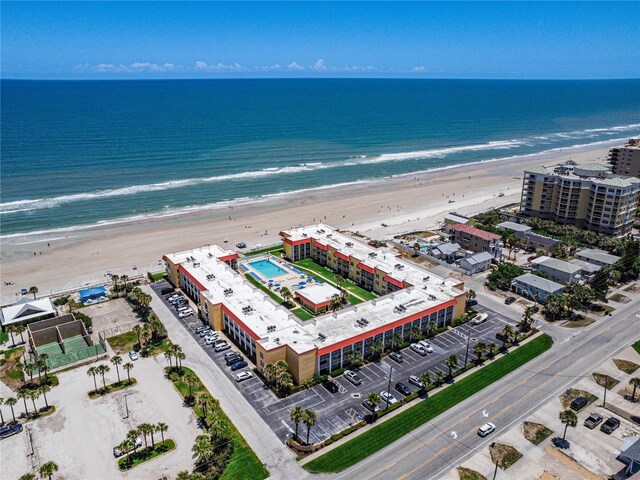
[[606, 382], [30, 440], [389, 384], [126, 404], [466, 355], [495, 472]]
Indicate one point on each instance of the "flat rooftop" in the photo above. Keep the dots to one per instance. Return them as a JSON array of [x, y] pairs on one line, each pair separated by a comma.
[[597, 173], [208, 251], [318, 293], [274, 325]]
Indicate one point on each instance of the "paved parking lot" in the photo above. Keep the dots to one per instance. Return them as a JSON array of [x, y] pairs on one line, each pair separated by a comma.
[[344, 408]]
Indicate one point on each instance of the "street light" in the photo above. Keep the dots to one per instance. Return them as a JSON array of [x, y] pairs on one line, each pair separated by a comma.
[[126, 404], [389, 384]]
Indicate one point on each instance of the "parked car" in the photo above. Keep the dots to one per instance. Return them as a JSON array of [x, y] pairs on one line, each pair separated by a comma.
[[388, 397], [370, 406], [472, 303], [397, 356], [241, 245], [579, 403], [610, 425], [186, 313], [133, 355], [331, 386], [221, 347], [9, 430], [352, 377], [232, 359], [210, 340], [166, 290], [593, 421], [419, 349], [205, 333], [201, 328], [118, 453], [426, 345], [231, 354], [242, 376], [415, 380], [486, 429], [509, 300], [479, 318], [238, 365], [403, 389]]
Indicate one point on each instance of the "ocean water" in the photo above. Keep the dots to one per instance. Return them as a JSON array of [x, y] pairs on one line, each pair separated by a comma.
[[77, 153]]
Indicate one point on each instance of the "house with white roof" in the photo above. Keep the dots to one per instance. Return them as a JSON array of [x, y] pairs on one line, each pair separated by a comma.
[[27, 312], [475, 263]]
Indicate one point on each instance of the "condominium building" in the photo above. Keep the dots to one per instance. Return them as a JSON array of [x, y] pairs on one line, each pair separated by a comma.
[[412, 298], [476, 240], [626, 160], [586, 195]]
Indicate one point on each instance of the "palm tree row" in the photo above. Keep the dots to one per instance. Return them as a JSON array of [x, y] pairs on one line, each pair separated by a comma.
[[277, 376], [32, 394], [101, 370], [308, 417], [175, 352], [129, 445], [17, 330], [46, 470]]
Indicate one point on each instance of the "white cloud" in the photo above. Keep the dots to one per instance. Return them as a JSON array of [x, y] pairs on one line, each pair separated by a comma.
[[220, 67], [418, 69], [135, 67], [319, 66], [269, 68], [295, 66]]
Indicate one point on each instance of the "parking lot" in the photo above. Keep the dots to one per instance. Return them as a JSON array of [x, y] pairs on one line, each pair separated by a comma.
[[344, 408]]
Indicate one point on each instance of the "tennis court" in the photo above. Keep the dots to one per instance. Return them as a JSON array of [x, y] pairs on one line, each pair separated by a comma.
[[74, 343], [51, 349]]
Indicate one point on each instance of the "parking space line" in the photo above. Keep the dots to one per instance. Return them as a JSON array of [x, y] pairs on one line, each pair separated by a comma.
[[365, 375], [271, 412]]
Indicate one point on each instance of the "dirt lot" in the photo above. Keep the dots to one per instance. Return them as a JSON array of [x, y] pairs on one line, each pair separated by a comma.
[[81, 434]]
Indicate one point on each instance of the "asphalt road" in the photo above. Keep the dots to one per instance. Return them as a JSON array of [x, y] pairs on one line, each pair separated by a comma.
[[344, 408], [433, 449]]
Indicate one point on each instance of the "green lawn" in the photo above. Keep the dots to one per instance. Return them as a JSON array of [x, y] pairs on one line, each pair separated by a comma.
[[3, 336], [636, 346], [146, 454], [124, 342], [244, 464], [274, 250], [154, 277], [302, 314], [382, 435], [312, 267]]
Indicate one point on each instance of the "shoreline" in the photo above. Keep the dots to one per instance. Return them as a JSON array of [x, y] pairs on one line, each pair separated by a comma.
[[56, 262], [243, 201]]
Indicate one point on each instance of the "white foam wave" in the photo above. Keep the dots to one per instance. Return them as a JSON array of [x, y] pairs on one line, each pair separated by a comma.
[[42, 203]]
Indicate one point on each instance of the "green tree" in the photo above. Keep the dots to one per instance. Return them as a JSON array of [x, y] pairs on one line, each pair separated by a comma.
[[24, 394], [34, 394], [203, 449], [162, 427], [492, 349], [1, 415], [48, 469], [310, 418], [28, 476], [286, 294], [600, 283], [635, 383], [11, 401], [559, 250], [126, 446], [556, 306], [44, 389], [128, 367], [452, 363], [138, 331], [414, 332], [191, 381], [629, 263], [426, 380], [416, 249], [297, 415], [502, 276], [116, 361], [471, 294], [479, 349], [396, 341], [373, 398], [206, 401], [355, 359], [439, 378], [33, 291], [102, 370], [377, 348], [92, 372], [570, 419], [506, 333]]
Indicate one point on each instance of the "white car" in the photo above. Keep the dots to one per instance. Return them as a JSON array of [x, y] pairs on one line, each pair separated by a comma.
[[419, 349], [221, 347], [486, 429], [133, 355], [210, 340], [426, 345], [185, 313], [242, 376], [388, 397], [480, 318]]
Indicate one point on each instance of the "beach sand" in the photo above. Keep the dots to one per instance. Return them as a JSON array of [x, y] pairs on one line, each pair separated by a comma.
[[407, 203]]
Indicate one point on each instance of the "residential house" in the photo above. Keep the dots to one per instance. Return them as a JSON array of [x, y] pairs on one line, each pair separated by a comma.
[[476, 240], [535, 287], [475, 263]]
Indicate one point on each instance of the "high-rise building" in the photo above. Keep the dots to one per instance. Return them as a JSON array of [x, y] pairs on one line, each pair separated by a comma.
[[626, 160], [586, 195]]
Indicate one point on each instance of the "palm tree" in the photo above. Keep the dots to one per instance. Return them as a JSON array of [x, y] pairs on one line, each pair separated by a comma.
[[144, 429], [478, 349], [138, 330], [471, 294], [28, 476], [117, 360], [11, 402], [44, 389], [492, 347], [33, 291], [10, 330], [92, 372], [286, 294], [506, 333], [396, 340], [202, 449], [416, 249], [102, 369], [132, 436], [310, 418], [183, 475], [162, 427], [45, 366], [439, 377], [570, 419], [433, 326], [179, 357], [20, 368], [19, 329], [270, 373], [191, 380], [297, 415], [355, 359], [426, 380], [377, 348], [124, 279], [34, 394], [373, 398], [128, 367], [635, 382], [127, 446], [452, 362], [146, 335], [24, 394], [152, 429], [48, 469], [169, 356], [114, 279], [205, 401], [414, 332]]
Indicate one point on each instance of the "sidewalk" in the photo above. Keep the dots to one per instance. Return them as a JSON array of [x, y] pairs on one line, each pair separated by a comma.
[[278, 459]]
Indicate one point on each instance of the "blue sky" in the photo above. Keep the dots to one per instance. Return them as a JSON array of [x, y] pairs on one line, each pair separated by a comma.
[[228, 40]]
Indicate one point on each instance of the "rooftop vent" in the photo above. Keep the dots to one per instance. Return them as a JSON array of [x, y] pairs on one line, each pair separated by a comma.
[[248, 309], [349, 244], [228, 292], [425, 279], [322, 337], [271, 328]]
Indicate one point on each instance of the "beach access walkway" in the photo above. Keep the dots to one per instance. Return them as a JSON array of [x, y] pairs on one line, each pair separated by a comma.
[[277, 458]]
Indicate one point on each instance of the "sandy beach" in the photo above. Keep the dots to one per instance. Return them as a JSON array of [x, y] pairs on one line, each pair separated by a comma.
[[65, 260]]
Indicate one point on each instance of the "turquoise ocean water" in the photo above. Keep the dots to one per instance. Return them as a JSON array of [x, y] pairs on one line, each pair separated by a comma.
[[78, 153]]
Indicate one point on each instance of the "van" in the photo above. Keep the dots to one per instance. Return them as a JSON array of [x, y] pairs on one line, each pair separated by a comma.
[[579, 403]]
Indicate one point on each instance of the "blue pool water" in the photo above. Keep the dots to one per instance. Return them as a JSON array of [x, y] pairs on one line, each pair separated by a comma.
[[268, 269]]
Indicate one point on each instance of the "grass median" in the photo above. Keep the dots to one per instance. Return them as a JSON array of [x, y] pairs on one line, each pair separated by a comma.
[[378, 437]]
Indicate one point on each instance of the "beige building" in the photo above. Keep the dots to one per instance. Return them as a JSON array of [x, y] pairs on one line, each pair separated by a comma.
[[587, 195], [626, 160]]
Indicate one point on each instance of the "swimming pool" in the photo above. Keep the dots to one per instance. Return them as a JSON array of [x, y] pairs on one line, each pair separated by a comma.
[[268, 269]]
